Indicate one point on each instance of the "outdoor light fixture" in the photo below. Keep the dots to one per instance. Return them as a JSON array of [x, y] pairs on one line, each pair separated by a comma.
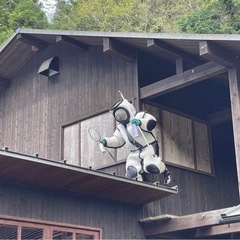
[[50, 67]]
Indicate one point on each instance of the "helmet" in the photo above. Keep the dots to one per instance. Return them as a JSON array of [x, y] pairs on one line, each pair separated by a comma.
[[123, 111]]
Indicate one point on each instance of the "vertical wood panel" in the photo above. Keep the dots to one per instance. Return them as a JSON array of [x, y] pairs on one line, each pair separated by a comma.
[[88, 82], [71, 151], [1, 119], [177, 139], [202, 151], [234, 85], [35, 107], [118, 221], [91, 154]]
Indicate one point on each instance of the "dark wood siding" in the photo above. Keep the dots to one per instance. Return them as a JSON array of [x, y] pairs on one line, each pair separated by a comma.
[[117, 220], [199, 192], [34, 107]]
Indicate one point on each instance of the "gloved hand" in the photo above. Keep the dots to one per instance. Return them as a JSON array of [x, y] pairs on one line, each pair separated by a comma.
[[103, 142], [136, 121]]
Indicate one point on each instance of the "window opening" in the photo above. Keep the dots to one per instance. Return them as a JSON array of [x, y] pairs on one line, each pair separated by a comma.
[[79, 149], [183, 141], [26, 229]]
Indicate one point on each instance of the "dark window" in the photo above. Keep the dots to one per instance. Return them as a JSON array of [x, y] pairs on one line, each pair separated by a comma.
[[25, 229]]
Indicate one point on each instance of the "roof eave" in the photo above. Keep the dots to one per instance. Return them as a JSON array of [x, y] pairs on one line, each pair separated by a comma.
[[33, 170]]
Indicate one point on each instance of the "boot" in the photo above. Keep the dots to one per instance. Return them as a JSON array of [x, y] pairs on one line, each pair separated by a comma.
[[167, 177]]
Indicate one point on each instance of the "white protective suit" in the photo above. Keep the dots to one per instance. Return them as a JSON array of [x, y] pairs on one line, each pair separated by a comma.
[[143, 146]]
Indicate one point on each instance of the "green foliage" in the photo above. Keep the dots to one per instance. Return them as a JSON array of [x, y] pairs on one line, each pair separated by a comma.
[[122, 15], [218, 16], [28, 14], [17, 13], [189, 16], [64, 16]]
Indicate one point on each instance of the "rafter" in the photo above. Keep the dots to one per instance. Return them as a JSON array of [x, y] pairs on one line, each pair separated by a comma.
[[31, 40], [181, 80], [215, 53], [73, 42], [164, 49], [169, 52], [113, 46]]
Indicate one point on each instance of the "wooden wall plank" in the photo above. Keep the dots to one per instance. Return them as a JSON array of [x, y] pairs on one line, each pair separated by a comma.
[[202, 147], [156, 112], [88, 82], [177, 139], [91, 154], [116, 219], [234, 86], [71, 150]]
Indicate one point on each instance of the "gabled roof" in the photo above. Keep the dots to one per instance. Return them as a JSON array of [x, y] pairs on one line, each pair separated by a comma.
[[25, 43], [38, 172]]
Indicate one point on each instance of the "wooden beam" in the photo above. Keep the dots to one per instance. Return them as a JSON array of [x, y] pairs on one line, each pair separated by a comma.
[[215, 53], [181, 80], [220, 117], [179, 65], [73, 42], [217, 230], [113, 46], [187, 222], [31, 40], [234, 86], [160, 218], [169, 52], [164, 49]]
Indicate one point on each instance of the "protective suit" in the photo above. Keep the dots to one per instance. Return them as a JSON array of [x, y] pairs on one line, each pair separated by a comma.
[[136, 131]]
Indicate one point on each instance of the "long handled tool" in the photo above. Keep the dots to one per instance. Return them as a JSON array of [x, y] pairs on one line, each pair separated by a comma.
[[95, 135]]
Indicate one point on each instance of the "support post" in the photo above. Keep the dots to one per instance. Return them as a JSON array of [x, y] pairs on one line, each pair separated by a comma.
[[234, 87]]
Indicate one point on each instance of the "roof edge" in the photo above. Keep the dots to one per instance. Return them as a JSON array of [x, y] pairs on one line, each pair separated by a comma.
[[10, 39], [178, 36]]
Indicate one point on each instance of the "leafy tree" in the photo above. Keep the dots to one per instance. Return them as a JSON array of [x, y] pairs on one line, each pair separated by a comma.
[[122, 15], [28, 14], [190, 16], [218, 16], [64, 17], [17, 13]]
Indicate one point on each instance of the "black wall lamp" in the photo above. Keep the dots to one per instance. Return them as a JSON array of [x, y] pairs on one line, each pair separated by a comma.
[[49, 67]]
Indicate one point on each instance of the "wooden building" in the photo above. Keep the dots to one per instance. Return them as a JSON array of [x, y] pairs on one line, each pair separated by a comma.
[[55, 183]]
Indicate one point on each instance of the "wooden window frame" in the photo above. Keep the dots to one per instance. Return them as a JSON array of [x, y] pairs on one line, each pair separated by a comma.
[[48, 227], [78, 121], [192, 119], [69, 123]]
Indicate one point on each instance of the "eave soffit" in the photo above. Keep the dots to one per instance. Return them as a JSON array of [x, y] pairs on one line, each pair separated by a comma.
[[61, 176], [170, 47]]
